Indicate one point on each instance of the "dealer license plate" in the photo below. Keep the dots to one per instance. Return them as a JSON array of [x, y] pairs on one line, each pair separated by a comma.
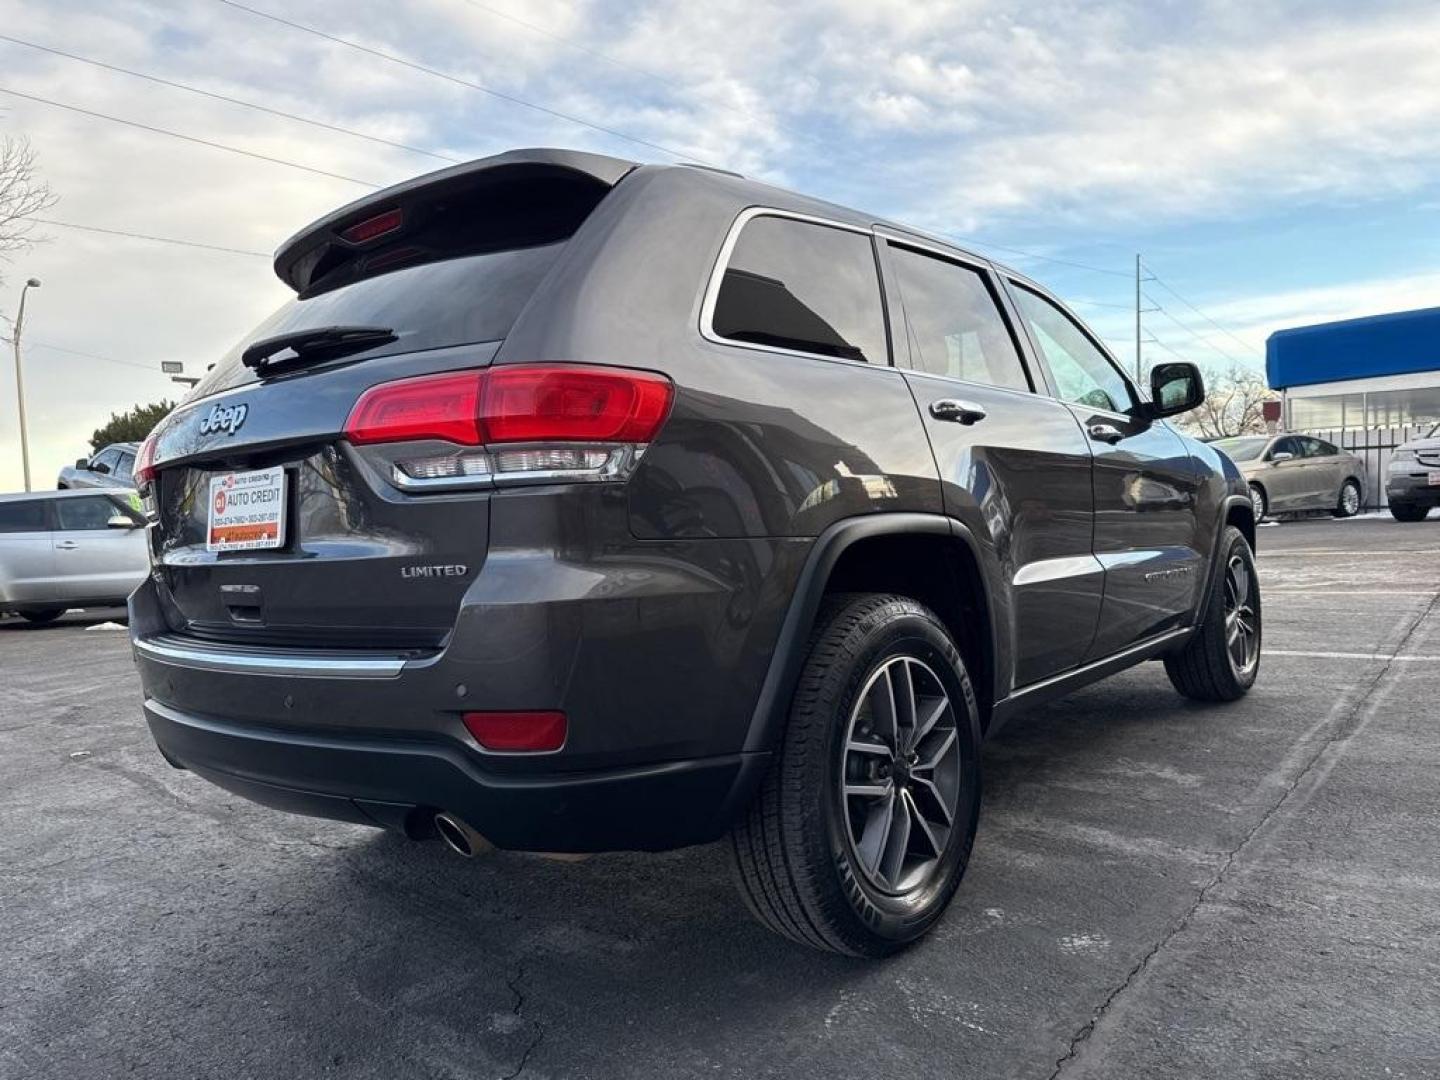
[[247, 511]]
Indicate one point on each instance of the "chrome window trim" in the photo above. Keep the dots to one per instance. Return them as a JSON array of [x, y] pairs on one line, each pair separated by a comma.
[[722, 263]]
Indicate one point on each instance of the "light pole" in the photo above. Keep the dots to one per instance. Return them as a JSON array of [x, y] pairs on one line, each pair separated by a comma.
[[33, 283]]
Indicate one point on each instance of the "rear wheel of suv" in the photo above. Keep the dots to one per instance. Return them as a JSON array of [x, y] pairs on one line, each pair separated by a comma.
[[861, 831], [40, 616], [1408, 511], [1222, 657], [1348, 505]]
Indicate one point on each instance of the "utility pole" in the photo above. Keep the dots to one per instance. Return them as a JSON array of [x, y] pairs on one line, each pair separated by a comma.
[[1139, 375], [33, 283]]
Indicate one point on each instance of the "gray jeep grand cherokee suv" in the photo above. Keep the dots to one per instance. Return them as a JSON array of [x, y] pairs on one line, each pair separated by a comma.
[[583, 505]]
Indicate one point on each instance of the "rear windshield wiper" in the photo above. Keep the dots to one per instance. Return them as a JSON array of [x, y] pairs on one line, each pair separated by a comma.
[[320, 342]]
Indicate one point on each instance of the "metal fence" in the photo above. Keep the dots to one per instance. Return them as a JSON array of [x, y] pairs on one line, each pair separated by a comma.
[[1374, 447]]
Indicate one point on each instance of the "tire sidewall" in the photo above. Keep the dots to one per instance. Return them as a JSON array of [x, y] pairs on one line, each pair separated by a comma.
[[909, 631], [1236, 542]]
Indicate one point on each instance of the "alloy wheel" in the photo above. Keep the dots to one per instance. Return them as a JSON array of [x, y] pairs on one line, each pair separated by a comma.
[[1350, 500], [1242, 621], [1257, 503], [900, 775]]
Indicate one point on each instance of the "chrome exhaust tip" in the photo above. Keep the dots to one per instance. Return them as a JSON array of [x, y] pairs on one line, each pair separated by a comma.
[[459, 837]]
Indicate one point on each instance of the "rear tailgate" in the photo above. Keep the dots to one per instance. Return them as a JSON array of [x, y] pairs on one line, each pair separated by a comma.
[[443, 266]]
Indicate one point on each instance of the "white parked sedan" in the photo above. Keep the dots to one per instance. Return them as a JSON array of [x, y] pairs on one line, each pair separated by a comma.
[[69, 549]]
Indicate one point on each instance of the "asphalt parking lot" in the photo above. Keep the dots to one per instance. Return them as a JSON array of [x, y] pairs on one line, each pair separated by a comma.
[[1158, 889]]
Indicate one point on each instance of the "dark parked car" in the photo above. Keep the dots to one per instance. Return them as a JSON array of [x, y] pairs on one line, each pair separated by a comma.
[[112, 467], [582, 505]]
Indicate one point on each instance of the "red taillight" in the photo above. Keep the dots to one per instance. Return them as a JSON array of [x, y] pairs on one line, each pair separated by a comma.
[[430, 407], [371, 228], [530, 403], [144, 469], [517, 732], [570, 403]]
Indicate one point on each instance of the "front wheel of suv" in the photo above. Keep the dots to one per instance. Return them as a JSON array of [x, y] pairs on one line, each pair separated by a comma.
[[862, 829], [1222, 657]]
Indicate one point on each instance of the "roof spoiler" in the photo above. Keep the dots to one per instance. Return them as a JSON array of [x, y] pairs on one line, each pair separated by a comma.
[[297, 257]]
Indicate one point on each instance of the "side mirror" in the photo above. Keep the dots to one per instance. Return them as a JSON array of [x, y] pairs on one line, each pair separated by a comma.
[[100, 467], [82, 463], [1279, 456], [122, 521], [1175, 388]]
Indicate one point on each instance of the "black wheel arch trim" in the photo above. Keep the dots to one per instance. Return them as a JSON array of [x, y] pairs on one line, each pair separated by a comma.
[[1231, 502], [788, 655]]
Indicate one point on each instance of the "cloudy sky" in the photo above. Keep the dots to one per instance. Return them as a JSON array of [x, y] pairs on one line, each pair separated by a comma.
[[1276, 163]]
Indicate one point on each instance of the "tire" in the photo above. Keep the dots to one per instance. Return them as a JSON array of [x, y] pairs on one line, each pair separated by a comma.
[[1206, 668], [799, 863], [40, 616], [1259, 503], [1408, 511], [1348, 503]]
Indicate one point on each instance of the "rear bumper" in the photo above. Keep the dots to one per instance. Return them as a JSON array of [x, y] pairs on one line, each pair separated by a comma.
[[401, 784]]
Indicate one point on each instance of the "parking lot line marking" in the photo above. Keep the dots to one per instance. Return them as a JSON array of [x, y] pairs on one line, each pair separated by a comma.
[[1351, 656], [1305, 553], [1301, 591]]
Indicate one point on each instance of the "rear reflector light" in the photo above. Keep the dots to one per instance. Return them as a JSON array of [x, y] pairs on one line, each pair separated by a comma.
[[517, 732], [372, 228], [144, 470]]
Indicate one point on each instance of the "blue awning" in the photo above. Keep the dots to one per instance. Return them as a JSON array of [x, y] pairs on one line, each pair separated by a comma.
[[1395, 344]]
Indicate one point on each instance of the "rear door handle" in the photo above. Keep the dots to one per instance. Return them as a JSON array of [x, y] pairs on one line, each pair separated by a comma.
[[1106, 433], [957, 411], [67, 545]]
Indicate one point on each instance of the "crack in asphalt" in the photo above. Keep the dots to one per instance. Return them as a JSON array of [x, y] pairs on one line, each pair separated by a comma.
[[518, 1010], [1342, 730]]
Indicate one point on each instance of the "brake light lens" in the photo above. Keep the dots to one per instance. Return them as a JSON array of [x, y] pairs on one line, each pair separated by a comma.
[[533, 422], [517, 732], [144, 469], [431, 407], [374, 227]]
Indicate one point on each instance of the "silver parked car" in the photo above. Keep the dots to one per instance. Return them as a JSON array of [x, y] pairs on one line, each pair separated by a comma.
[[1297, 472], [69, 549], [1412, 485], [112, 467]]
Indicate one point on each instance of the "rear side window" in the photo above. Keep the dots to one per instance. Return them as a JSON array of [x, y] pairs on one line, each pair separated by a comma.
[[24, 516], [953, 324], [1316, 448], [86, 513], [799, 285]]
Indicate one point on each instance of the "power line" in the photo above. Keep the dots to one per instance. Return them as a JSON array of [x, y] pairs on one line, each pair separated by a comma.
[[437, 73], [229, 100], [188, 138], [90, 356], [1156, 278], [1035, 255], [1190, 330], [147, 236]]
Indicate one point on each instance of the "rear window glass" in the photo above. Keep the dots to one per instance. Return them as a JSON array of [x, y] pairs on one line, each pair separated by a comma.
[[454, 302], [26, 516], [798, 285]]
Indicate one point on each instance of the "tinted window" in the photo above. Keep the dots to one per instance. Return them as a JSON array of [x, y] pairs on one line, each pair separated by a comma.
[[107, 458], [90, 512], [126, 467], [1288, 445], [953, 324], [1082, 372], [797, 285], [25, 516]]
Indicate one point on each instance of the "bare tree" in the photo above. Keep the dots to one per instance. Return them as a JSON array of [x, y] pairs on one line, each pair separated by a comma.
[[23, 194], [1232, 404]]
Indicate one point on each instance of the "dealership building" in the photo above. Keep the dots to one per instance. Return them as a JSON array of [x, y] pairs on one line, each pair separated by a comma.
[[1364, 384], [1375, 373]]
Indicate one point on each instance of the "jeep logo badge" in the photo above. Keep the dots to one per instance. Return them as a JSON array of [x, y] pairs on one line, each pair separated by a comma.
[[224, 418]]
